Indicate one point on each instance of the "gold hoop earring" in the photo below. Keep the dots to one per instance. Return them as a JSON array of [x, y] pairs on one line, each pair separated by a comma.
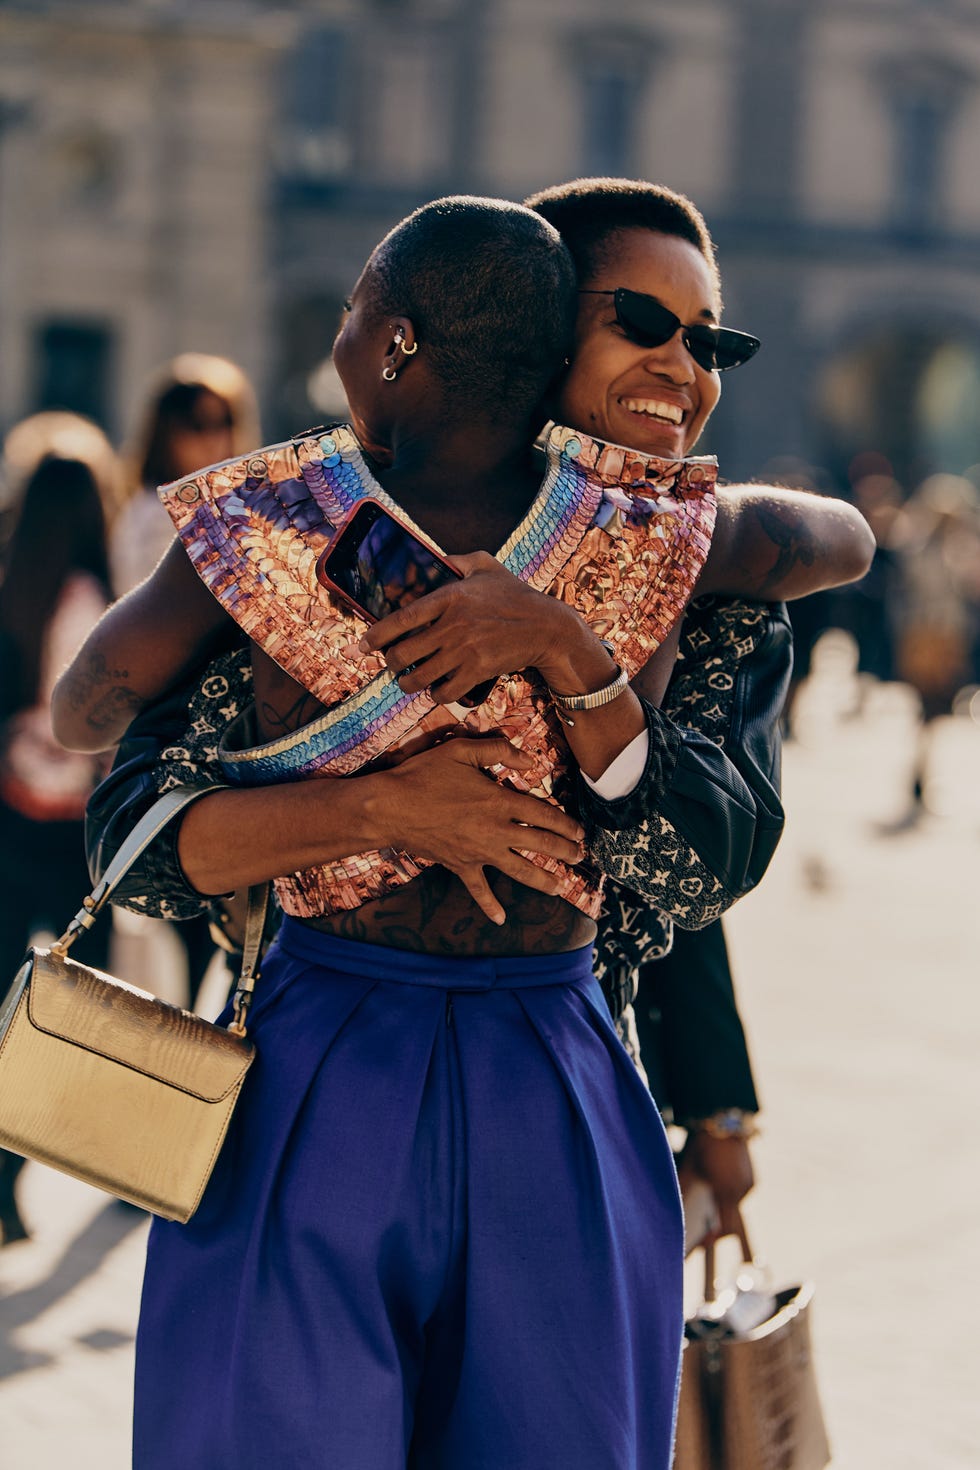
[[400, 339], [389, 374]]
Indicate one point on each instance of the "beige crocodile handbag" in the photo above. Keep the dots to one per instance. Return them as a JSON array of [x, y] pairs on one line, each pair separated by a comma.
[[110, 1084]]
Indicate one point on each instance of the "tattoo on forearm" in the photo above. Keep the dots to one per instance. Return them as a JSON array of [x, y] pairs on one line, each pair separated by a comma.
[[103, 707], [789, 532]]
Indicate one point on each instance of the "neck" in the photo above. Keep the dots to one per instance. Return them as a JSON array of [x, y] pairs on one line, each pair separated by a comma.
[[468, 487]]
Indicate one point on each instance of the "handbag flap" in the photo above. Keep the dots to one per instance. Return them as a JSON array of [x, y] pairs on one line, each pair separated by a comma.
[[92, 1010]]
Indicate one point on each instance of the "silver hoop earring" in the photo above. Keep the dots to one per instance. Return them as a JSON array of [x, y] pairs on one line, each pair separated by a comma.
[[389, 374]]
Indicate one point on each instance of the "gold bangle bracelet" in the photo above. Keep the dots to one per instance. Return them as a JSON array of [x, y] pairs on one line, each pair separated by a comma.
[[595, 700]]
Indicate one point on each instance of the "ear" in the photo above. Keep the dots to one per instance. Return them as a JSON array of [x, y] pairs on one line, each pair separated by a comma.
[[403, 343]]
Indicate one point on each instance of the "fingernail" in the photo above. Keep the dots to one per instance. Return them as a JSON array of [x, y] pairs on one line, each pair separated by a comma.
[[364, 645]]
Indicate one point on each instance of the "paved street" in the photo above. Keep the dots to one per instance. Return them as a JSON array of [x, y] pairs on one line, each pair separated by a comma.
[[857, 968]]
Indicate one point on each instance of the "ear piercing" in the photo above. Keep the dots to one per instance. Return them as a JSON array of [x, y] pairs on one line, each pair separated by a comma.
[[400, 339], [389, 374]]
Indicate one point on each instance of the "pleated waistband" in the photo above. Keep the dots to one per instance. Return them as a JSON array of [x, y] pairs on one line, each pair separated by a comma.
[[406, 967]]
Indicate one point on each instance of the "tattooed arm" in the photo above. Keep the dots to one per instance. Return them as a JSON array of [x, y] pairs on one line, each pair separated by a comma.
[[776, 544], [139, 649]]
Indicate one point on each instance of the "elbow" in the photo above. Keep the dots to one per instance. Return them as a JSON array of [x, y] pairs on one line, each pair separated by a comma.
[[858, 548], [70, 724]]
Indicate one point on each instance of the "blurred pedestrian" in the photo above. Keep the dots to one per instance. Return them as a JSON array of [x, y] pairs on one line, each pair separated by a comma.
[[199, 410], [54, 588], [936, 608]]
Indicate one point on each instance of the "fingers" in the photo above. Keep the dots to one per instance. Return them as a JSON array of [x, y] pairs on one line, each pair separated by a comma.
[[538, 816], [513, 866], [529, 875], [475, 561], [475, 882], [406, 620], [484, 754]]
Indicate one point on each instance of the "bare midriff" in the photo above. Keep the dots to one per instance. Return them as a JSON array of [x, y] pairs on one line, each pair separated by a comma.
[[434, 914]]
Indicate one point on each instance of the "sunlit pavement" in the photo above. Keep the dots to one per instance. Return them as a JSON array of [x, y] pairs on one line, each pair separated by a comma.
[[857, 970]]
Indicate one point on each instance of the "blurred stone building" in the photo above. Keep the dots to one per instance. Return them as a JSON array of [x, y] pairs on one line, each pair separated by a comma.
[[210, 174]]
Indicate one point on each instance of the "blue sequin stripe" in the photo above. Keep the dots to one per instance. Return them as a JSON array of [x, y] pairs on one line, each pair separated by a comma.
[[307, 750], [554, 516]]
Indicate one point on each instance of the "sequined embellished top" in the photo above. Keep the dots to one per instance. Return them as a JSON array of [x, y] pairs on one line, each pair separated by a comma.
[[619, 536]]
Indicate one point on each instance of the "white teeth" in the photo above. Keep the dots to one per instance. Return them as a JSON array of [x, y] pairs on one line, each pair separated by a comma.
[[655, 409]]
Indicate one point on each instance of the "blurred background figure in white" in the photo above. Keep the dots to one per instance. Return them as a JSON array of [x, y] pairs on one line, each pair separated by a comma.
[[199, 410]]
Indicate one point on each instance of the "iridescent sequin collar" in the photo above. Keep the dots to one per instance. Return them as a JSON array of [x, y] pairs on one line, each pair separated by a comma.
[[255, 526], [618, 536]]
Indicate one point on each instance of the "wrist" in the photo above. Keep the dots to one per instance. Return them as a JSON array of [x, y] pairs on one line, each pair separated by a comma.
[[579, 666], [378, 806], [725, 1123], [568, 706], [574, 659]]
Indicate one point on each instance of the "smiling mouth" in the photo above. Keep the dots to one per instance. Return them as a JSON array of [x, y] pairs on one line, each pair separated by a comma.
[[656, 409]]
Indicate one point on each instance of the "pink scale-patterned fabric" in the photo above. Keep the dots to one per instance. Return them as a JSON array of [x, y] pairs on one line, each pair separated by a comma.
[[619, 537]]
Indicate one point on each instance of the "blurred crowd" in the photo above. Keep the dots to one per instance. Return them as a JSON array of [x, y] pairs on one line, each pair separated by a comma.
[[915, 616], [80, 524]]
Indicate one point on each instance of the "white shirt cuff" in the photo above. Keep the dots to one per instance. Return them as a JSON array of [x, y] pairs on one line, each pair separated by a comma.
[[622, 775]]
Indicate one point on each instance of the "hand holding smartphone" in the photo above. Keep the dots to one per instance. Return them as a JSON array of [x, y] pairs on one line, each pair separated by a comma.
[[377, 565]]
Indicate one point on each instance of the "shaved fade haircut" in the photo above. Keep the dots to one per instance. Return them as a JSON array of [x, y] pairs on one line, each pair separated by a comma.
[[490, 289]]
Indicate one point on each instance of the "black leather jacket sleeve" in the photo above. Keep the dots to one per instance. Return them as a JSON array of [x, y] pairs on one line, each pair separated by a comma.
[[172, 743], [701, 826], [690, 1033]]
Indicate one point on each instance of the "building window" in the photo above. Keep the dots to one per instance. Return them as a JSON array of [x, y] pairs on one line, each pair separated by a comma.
[[315, 145], [73, 363], [408, 131], [612, 72], [923, 97], [85, 168]]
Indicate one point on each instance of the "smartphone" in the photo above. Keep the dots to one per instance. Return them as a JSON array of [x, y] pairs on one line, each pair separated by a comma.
[[377, 565]]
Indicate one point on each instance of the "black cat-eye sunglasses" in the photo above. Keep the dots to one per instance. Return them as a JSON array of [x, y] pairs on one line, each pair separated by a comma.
[[648, 323]]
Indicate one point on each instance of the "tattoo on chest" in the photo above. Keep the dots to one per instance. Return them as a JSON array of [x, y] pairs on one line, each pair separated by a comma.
[[435, 915], [276, 719]]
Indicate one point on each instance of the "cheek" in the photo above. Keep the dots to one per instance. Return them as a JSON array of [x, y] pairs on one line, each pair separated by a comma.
[[709, 392], [577, 398]]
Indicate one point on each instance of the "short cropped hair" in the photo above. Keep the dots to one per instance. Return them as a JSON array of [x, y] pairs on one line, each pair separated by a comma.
[[586, 212], [490, 288]]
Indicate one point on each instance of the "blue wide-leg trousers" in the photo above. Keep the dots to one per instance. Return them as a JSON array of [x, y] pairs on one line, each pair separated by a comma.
[[444, 1233]]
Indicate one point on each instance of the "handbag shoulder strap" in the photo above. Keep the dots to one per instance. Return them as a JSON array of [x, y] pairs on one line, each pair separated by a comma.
[[150, 825]]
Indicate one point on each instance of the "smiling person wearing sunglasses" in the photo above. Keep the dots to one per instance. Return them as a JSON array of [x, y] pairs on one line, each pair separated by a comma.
[[649, 351]]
